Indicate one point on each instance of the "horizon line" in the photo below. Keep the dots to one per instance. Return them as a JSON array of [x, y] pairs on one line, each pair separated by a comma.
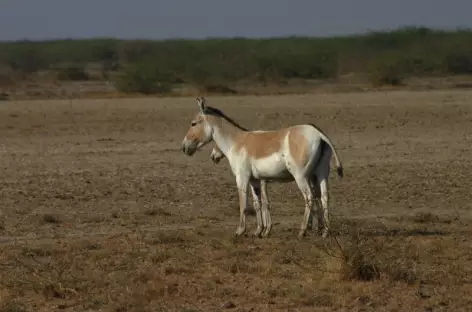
[[354, 34]]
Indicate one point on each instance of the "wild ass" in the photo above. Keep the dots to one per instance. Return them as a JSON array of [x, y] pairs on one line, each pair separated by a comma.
[[284, 155], [217, 155]]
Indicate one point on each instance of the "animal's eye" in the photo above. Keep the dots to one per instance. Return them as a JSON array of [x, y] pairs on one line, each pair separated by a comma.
[[194, 123]]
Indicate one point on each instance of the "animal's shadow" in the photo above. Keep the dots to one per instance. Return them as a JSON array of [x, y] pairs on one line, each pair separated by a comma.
[[401, 232]]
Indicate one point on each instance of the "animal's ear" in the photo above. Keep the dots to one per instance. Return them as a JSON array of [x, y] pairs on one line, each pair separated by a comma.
[[201, 104]]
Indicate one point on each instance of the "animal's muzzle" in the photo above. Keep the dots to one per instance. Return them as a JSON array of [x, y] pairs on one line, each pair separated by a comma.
[[188, 147]]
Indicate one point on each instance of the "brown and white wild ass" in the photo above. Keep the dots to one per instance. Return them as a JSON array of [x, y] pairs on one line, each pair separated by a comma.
[[289, 154], [216, 156]]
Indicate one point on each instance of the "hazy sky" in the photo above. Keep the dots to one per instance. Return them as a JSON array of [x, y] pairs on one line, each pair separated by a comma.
[[42, 19]]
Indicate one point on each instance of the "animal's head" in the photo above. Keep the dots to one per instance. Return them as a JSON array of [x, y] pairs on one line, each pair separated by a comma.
[[200, 132], [216, 155]]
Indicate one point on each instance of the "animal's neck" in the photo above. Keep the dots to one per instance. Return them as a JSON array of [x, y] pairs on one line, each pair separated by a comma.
[[225, 135]]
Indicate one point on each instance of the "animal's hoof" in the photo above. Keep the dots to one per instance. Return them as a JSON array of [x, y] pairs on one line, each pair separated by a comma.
[[258, 232], [239, 231], [301, 234], [266, 232]]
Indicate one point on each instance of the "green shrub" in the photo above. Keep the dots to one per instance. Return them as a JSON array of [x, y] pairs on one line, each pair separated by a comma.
[[459, 62], [26, 57], [387, 70], [142, 78], [154, 66], [73, 72]]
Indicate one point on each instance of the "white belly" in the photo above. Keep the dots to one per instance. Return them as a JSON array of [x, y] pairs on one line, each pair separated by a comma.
[[272, 167]]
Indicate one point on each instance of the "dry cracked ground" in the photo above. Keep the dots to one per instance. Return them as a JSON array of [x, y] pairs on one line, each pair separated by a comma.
[[101, 211]]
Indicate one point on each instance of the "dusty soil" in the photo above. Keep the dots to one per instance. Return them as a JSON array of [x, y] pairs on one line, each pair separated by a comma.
[[46, 86], [101, 211]]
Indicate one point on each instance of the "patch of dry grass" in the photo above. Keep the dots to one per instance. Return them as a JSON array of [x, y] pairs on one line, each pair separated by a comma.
[[364, 257], [50, 218], [156, 212], [425, 217], [175, 271]]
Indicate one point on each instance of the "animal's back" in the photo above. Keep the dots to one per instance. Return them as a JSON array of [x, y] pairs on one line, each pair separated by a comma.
[[260, 144]]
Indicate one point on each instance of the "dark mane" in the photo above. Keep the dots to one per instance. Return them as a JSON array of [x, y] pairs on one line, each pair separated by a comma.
[[216, 112]]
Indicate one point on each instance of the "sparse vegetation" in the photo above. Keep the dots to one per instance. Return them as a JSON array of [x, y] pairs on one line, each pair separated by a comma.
[[73, 73], [12, 305], [143, 78], [50, 218], [363, 257], [3, 97], [425, 217], [217, 65], [156, 212]]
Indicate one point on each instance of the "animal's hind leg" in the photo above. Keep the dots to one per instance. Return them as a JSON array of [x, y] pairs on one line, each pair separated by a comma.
[[324, 214], [304, 186], [317, 200], [310, 222], [322, 174], [310, 218], [256, 195], [318, 207]]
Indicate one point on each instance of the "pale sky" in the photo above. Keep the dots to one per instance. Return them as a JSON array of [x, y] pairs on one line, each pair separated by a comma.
[[158, 19]]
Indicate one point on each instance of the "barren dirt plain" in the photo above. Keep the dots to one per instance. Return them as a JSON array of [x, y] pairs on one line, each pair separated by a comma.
[[101, 211]]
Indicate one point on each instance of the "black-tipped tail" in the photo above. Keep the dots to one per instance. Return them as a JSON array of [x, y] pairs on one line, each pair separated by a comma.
[[340, 171]]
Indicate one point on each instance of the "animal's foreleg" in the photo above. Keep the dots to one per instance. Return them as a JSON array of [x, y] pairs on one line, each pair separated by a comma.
[[266, 219], [243, 184], [256, 195]]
